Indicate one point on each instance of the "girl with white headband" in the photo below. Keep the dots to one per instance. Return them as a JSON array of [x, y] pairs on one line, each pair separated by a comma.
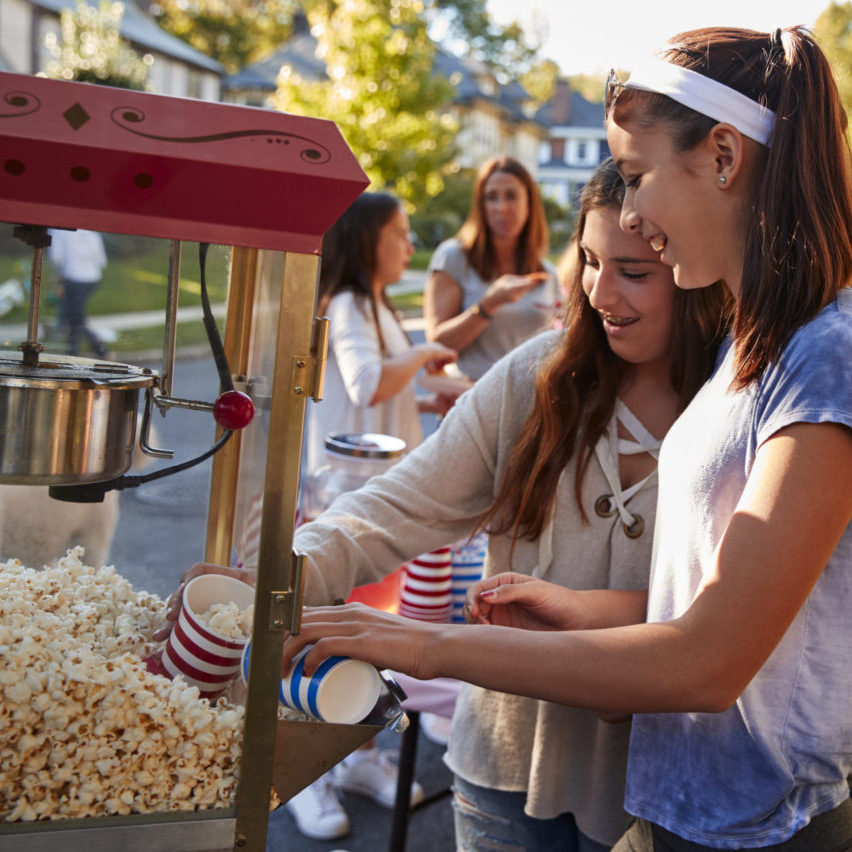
[[739, 676]]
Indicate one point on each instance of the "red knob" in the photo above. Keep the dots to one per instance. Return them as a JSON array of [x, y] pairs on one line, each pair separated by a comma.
[[233, 410]]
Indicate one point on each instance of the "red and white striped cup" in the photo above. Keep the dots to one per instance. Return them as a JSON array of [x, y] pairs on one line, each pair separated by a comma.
[[203, 657], [426, 592]]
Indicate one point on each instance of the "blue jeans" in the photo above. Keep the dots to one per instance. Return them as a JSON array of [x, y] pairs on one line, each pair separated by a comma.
[[494, 821], [72, 315]]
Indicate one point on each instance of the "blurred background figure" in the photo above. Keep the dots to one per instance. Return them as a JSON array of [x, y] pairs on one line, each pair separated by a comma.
[[491, 286], [369, 382], [79, 258]]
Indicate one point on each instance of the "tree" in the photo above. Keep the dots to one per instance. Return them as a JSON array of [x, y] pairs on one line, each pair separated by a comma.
[[233, 32], [90, 48], [833, 31], [590, 86], [468, 28], [381, 92], [540, 80]]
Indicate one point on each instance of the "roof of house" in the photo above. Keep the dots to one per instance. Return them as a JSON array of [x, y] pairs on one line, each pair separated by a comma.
[[142, 30], [465, 73], [568, 108], [299, 52]]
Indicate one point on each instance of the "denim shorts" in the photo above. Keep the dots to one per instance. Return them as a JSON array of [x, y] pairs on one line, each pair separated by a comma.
[[494, 821]]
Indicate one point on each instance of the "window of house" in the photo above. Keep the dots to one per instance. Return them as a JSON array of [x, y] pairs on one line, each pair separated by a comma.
[[194, 84]]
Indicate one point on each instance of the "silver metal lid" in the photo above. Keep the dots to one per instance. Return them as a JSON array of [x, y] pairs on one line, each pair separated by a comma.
[[367, 446], [70, 371]]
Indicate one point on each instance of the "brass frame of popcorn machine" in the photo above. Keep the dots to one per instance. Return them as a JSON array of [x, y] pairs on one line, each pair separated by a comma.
[[269, 185], [303, 750]]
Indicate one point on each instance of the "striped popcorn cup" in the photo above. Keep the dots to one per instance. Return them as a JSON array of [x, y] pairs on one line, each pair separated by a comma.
[[341, 691], [466, 564], [203, 657], [426, 592]]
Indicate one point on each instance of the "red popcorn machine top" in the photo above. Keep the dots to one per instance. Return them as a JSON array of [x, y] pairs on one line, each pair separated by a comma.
[[268, 185]]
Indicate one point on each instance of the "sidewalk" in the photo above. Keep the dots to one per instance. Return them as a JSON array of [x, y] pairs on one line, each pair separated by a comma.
[[412, 281]]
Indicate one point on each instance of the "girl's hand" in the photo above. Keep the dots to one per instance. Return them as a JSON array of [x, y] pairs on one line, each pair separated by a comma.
[[173, 604], [510, 288], [435, 356], [354, 630], [438, 403], [518, 600]]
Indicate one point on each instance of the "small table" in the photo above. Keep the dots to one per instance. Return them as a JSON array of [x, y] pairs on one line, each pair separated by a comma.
[[424, 696]]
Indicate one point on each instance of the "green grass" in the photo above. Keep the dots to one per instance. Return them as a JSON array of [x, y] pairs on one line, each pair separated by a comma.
[[420, 259], [135, 279], [411, 304]]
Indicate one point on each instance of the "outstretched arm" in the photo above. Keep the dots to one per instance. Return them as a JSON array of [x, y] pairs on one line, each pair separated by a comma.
[[794, 509]]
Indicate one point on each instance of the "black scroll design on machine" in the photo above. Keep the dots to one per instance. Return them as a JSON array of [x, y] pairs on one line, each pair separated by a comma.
[[126, 116], [23, 102]]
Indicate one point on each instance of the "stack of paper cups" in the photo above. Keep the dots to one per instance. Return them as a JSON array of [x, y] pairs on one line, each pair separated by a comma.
[[466, 568], [426, 587]]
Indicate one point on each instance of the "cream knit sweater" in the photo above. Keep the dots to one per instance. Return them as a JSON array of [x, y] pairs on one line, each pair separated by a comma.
[[566, 759]]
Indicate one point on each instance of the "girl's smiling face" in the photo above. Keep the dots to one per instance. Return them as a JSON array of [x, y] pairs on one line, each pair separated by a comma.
[[632, 292], [674, 201]]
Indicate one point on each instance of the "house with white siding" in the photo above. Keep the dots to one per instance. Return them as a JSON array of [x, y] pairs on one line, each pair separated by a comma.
[[576, 144], [176, 68]]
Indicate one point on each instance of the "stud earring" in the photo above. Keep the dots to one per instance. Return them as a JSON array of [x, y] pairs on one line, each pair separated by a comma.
[[723, 180]]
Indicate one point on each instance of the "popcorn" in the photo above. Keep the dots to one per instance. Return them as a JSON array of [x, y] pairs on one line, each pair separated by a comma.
[[85, 729], [228, 620]]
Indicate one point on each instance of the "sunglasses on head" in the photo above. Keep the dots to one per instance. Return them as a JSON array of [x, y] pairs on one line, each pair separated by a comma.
[[613, 86]]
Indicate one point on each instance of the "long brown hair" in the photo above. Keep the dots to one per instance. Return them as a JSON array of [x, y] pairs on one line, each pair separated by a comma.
[[577, 385], [349, 254], [475, 235], [798, 250]]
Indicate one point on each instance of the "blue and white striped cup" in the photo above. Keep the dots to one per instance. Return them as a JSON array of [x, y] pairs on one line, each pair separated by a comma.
[[468, 558], [342, 691]]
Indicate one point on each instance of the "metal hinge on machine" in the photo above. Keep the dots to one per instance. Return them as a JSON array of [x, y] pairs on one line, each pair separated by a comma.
[[309, 370]]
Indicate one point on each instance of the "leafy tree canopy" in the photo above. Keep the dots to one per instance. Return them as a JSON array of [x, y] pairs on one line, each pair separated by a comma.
[[238, 32], [233, 32], [590, 86], [507, 49], [833, 31], [540, 80], [380, 91], [90, 49]]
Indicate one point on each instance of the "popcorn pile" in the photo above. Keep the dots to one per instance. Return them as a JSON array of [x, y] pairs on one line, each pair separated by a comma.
[[85, 729], [228, 620]]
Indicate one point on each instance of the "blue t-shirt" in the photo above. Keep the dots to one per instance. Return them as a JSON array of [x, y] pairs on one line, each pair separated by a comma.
[[759, 772]]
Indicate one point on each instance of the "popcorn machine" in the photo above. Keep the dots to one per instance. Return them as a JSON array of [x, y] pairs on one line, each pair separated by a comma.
[[269, 185]]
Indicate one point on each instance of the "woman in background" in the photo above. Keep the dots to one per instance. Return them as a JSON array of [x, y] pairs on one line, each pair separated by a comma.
[[491, 286], [369, 380]]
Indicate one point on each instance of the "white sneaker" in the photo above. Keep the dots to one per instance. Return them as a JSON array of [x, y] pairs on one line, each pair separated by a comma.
[[436, 728], [318, 812], [373, 772]]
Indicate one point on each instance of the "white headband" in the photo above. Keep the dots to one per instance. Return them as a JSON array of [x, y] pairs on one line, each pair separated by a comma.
[[707, 96]]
